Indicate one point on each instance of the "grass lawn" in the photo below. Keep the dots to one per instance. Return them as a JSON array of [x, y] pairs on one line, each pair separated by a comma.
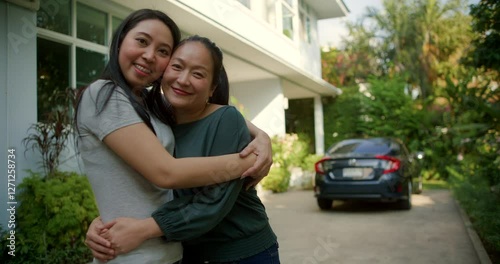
[[435, 184]]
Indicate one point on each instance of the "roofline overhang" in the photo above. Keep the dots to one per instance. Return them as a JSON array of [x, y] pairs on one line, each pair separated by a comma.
[[191, 21], [326, 9]]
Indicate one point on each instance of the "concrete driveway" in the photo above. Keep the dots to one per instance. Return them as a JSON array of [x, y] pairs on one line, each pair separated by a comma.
[[431, 232]]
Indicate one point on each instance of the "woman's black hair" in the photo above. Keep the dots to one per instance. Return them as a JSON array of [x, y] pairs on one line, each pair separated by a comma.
[[112, 72], [220, 80]]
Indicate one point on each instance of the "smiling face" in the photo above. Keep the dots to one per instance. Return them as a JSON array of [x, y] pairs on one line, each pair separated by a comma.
[[145, 52], [187, 81]]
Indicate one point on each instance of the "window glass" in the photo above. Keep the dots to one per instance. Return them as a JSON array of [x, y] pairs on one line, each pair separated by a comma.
[[53, 73], [91, 24], [89, 67], [287, 22], [115, 23], [305, 27], [290, 2], [271, 12], [361, 147], [55, 16]]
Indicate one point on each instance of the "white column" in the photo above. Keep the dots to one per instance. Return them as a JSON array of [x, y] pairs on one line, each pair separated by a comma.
[[319, 132]]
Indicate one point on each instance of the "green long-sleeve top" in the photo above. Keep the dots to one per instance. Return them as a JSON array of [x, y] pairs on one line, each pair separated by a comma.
[[221, 222]]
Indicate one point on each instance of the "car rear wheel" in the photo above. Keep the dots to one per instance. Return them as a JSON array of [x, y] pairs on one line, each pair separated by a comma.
[[406, 203], [325, 204]]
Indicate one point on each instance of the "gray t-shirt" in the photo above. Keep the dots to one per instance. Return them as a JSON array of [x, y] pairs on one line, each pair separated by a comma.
[[119, 190]]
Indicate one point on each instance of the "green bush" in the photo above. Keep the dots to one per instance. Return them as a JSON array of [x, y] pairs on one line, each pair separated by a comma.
[[278, 180], [308, 162], [289, 151], [51, 220], [481, 204]]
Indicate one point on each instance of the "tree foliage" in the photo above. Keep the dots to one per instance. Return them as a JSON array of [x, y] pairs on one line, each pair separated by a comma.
[[486, 23], [423, 44], [417, 40]]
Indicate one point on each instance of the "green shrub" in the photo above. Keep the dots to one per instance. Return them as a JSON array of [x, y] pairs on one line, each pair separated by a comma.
[[51, 220], [308, 162], [278, 180], [288, 151], [480, 203]]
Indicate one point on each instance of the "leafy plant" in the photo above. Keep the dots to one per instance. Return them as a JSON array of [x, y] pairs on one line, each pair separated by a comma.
[[53, 219], [486, 14], [278, 180], [49, 137], [473, 193], [288, 150]]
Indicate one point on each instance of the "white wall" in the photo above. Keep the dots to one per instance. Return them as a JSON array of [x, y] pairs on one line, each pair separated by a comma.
[[263, 102], [243, 22], [310, 52], [18, 92]]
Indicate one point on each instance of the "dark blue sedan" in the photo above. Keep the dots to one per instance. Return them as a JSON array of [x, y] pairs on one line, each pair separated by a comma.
[[373, 169]]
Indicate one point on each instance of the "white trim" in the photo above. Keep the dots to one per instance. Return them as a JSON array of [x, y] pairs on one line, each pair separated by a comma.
[[109, 30], [65, 39], [73, 66], [108, 7], [73, 47], [73, 42]]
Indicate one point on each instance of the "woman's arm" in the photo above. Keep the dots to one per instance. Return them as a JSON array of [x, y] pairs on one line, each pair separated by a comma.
[[140, 148], [262, 147], [195, 212], [181, 219]]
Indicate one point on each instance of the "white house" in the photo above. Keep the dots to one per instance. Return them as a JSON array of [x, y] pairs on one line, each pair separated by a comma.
[[271, 51]]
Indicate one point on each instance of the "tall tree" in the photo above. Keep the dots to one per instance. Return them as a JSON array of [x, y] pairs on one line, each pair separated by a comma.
[[486, 22], [422, 38]]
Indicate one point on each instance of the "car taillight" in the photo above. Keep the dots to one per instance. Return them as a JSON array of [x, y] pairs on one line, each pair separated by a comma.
[[393, 163], [318, 166]]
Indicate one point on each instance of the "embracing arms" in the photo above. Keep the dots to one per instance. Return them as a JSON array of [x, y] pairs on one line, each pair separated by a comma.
[[144, 152]]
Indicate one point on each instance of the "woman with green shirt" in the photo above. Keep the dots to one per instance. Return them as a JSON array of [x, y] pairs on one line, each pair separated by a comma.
[[221, 223]]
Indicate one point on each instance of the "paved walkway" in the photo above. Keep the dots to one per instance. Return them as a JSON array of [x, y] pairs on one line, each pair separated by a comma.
[[431, 232]]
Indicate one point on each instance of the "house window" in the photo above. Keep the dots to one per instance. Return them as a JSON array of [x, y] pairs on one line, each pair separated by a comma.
[[72, 48], [91, 24], [53, 75], [271, 13], [305, 28], [89, 67], [115, 23], [288, 16], [55, 16]]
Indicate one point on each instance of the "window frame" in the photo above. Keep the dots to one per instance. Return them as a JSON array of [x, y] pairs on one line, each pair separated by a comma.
[[292, 9], [306, 23], [112, 11]]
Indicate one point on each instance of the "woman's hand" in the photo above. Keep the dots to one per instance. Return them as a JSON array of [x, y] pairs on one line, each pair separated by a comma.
[[100, 247], [262, 147], [129, 233]]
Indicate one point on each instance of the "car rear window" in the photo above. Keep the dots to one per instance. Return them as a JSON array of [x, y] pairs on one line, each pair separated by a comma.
[[360, 147]]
